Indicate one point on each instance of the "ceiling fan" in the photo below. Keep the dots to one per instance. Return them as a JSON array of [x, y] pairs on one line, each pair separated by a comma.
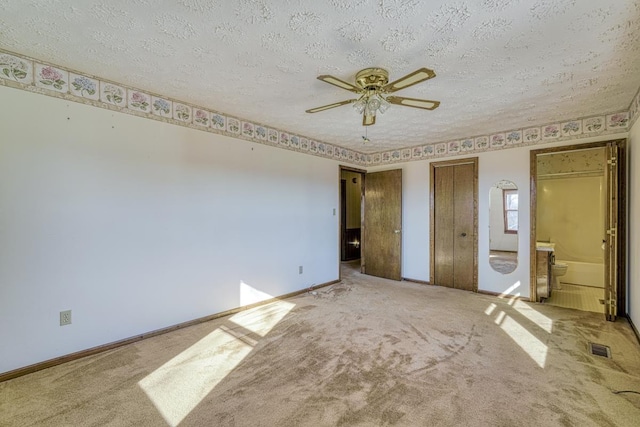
[[372, 84]]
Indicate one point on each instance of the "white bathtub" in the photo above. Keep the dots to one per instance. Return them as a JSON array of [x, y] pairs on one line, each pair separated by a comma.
[[583, 273]]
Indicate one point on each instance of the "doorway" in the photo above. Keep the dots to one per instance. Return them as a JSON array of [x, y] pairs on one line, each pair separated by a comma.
[[371, 221], [578, 210], [351, 194], [454, 224]]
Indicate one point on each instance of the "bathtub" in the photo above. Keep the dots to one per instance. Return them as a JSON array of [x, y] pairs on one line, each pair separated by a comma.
[[583, 273]]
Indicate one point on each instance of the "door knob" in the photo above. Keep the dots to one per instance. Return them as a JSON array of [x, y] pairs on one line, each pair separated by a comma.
[[464, 234], [396, 231]]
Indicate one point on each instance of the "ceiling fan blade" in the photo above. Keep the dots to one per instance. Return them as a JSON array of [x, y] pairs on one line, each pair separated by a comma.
[[334, 105], [425, 104], [340, 83], [368, 120], [411, 79]]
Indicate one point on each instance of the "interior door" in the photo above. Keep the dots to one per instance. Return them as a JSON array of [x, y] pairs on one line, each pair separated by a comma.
[[453, 224], [382, 227], [611, 234]]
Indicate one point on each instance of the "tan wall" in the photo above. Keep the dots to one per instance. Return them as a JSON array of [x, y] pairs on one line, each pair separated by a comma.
[[353, 198], [571, 214]]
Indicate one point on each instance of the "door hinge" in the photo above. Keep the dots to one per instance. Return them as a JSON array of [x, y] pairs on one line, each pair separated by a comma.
[[611, 232], [612, 161]]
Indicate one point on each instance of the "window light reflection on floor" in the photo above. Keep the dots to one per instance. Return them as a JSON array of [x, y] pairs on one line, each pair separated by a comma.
[[535, 348], [179, 385], [534, 316], [528, 342]]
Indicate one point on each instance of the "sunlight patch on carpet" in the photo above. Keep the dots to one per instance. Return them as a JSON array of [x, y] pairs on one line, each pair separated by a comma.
[[490, 309], [179, 385], [535, 316], [261, 320], [528, 342]]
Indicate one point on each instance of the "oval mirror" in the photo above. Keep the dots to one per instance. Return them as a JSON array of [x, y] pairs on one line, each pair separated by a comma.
[[503, 227]]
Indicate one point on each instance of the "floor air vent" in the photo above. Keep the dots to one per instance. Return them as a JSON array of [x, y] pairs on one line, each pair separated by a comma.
[[600, 350]]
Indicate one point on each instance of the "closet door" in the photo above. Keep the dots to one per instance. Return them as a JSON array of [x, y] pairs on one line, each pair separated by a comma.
[[454, 223]]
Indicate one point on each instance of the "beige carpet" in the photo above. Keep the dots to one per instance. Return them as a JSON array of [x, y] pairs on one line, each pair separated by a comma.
[[364, 352]]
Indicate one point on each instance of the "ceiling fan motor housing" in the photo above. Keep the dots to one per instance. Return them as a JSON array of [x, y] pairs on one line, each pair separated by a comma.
[[372, 78]]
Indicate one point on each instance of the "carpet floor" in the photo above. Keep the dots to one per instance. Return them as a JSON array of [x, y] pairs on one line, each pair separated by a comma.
[[363, 352]]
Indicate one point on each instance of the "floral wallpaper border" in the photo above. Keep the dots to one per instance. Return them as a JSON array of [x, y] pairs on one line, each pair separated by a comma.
[[38, 76], [562, 131], [48, 79]]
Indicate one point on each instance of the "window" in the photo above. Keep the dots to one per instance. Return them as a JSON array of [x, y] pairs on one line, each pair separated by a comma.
[[510, 199]]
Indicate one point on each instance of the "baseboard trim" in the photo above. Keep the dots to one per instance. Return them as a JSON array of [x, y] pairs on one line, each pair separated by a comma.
[[422, 282], [115, 344], [633, 327], [502, 295]]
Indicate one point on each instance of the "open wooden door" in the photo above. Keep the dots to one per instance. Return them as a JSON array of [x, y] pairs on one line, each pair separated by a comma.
[[611, 233], [382, 228]]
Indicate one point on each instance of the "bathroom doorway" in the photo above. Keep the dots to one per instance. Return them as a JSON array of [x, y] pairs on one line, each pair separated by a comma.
[[577, 209]]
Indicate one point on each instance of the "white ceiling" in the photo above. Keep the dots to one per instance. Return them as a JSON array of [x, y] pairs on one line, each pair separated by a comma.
[[500, 64]]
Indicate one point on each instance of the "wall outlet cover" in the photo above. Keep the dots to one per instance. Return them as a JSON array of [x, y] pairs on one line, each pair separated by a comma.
[[65, 317]]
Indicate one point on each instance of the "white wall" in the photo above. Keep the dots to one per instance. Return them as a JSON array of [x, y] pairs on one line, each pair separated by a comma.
[[510, 164], [633, 255], [136, 225], [494, 166]]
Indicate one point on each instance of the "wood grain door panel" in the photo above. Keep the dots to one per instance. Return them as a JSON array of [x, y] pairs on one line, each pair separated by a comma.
[[454, 224], [382, 230], [463, 227], [444, 223]]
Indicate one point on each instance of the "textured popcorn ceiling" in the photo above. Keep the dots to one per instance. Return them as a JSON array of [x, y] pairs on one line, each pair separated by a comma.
[[500, 64]]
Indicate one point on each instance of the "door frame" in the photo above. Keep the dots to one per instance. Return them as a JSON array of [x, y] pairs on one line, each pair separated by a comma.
[[622, 215], [432, 242], [363, 175]]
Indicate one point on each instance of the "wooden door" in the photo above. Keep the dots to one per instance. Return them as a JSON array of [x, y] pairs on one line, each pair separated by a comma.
[[611, 234], [453, 224], [382, 228]]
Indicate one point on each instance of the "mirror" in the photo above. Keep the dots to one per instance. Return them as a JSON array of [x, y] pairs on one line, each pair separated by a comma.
[[503, 227]]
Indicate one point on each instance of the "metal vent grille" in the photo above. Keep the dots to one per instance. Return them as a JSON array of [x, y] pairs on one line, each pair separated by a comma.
[[600, 350]]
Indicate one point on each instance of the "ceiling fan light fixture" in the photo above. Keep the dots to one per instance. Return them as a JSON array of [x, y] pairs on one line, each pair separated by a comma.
[[373, 103], [384, 105], [372, 84], [369, 112], [359, 105]]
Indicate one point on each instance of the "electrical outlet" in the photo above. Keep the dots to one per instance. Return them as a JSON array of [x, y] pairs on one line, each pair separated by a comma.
[[65, 317], [300, 270]]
